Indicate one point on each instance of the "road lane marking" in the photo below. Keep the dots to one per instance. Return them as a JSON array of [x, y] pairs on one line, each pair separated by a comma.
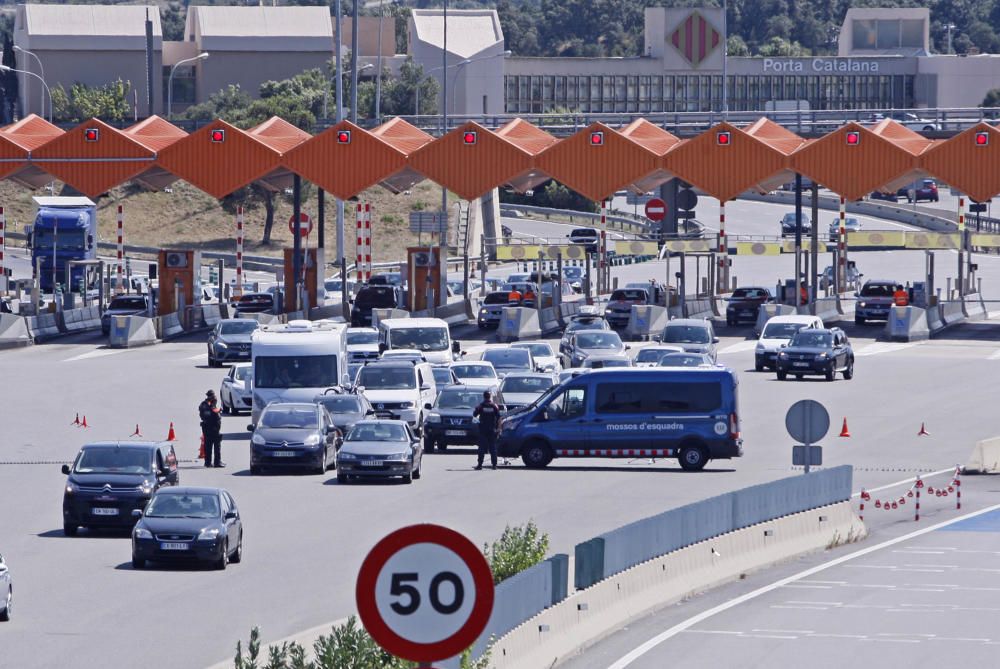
[[801, 608], [739, 347], [649, 645], [200, 356], [883, 347], [96, 353], [995, 355]]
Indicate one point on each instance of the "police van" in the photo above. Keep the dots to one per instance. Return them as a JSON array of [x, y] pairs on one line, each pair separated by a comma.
[[691, 414]]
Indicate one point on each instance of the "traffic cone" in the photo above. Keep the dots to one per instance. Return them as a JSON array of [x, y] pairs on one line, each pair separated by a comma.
[[84, 423], [923, 432], [170, 433], [136, 433], [844, 431], [201, 449], [76, 421]]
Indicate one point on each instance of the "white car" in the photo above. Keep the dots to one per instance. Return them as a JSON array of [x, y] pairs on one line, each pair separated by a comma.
[[236, 393], [603, 361], [476, 374], [6, 592], [404, 354], [778, 331], [519, 389], [544, 356], [362, 344], [650, 356], [398, 389]]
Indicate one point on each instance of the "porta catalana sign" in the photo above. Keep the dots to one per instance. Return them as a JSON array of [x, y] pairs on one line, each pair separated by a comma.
[[819, 65]]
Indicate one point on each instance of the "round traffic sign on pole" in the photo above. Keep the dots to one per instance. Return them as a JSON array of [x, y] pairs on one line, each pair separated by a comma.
[[656, 209], [425, 593], [304, 227], [807, 421]]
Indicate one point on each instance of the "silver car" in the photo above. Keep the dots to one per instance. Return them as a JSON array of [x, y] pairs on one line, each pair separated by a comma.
[[236, 393], [586, 343], [380, 449], [6, 592], [229, 341], [693, 335]]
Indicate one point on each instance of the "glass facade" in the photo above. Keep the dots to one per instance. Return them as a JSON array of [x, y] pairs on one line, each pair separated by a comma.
[[538, 94]]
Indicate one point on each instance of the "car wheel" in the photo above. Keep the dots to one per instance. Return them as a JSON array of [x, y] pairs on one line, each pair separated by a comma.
[[138, 562], [223, 561], [781, 375], [8, 609], [428, 443], [831, 373], [238, 555], [849, 372], [693, 458], [342, 478], [69, 530], [536, 454], [758, 367], [730, 322], [225, 407], [254, 470], [408, 479], [859, 320], [420, 469]]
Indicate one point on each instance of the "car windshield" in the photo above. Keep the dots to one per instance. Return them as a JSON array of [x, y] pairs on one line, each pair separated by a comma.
[[500, 297], [526, 384], [587, 324], [583, 232], [573, 273], [681, 360], [354, 338], [628, 295], [608, 340], [749, 294], [651, 355], [813, 339], [537, 350], [508, 359], [686, 334], [299, 371], [459, 399], [304, 417], [442, 376], [183, 505], [128, 303], [256, 298], [421, 338], [877, 290], [113, 460], [238, 327], [377, 432], [376, 297], [243, 373], [387, 378], [781, 330], [341, 403], [474, 371]]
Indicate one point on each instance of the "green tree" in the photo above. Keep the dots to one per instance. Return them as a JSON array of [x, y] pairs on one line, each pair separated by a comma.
[[517, 549], [110, 102], [172, 22], [9, 82], [781, 47], [992, 98]]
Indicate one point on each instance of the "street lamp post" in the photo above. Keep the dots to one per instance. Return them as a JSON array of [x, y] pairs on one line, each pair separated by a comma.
[[41, 70], [6, 68], [949, 28], [170, 81]]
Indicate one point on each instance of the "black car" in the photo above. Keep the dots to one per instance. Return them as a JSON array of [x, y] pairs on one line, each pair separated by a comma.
[[449, 420], [188, 525], [817, 352], [110, 480], [124, 305], [372, 297], [255, 303], [745, 304], [293, 434], [345, 409], [229, 341], [619, 309]]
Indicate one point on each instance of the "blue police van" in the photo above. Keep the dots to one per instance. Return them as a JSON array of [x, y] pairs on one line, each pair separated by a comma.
[[690, 414]]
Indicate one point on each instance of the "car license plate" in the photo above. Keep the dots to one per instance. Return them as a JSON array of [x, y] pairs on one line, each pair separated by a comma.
[[104, 511], [166, 546], [285, 454], [454, 433], [800, 364], [371, 463], [746, 313]]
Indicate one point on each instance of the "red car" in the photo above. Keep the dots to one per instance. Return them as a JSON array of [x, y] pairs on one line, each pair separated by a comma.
[[924, 190]]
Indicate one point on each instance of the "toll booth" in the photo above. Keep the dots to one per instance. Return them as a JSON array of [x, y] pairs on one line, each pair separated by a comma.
[[312, 262], [423, 276], [179, 280]]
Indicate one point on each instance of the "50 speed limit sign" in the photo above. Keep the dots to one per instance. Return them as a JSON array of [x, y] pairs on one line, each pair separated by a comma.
[[425, 593]]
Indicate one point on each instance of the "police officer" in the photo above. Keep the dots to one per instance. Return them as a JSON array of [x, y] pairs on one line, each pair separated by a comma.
[[211, 429], [488, 413]]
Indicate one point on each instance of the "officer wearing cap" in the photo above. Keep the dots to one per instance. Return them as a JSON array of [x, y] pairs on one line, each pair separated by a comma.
[[211, 429], [488, 413]]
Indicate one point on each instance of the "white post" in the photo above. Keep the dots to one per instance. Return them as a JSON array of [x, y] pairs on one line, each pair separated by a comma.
[[120, 288], [602, 274], [961, 246], [238, 289]]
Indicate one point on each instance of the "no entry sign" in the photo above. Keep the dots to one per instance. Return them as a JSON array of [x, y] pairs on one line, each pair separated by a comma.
[[425, 593], [304, 227], [656, 209]]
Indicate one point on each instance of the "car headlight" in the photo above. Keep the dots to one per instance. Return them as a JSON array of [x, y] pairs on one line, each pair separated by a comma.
[[433, 418], [71, 488], [760, 348], [257, 440], [221, 344], [399, 456], [608, 310], [312, 440], [345, 455], [822, 356], [142, 533], [406, 405], [208, 534], [861, 304], [782, 355], [483, 312], [146, 488]]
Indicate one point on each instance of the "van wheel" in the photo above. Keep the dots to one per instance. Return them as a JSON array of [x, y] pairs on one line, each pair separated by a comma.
[[138, 562], [428, 444], [536, 455], [758, 367], [693, 458]]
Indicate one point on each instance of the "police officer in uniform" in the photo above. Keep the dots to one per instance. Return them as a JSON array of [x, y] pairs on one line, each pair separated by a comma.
[[488, 413], [211, 429]]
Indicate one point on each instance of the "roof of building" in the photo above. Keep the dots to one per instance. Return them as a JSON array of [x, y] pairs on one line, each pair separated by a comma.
[[72, 27], [470, 31], [223, 28]]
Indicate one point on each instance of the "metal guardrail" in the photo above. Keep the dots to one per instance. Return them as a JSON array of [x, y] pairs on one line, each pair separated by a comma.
[[635, 224]]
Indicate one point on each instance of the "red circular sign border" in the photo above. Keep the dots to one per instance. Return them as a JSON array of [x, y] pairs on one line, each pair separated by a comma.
[[424, 534], [303, 218], [658, 201]]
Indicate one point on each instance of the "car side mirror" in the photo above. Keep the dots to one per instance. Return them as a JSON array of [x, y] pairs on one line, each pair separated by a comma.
[[715, 340], [370, 412], [250, 428], [629, 348], [427, 405], [382, 348], [137, 513], [65, 469], [231, 515], [456, 347], [425, 387]]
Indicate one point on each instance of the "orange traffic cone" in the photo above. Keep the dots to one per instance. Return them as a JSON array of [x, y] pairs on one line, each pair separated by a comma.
[[844, 431], [170, 433], [136, 433], [76, 421], [201, 449], [923, 432], [84, 423]]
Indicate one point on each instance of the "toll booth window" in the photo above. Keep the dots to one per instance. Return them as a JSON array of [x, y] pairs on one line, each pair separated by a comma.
[[568, 405], [613, 398]]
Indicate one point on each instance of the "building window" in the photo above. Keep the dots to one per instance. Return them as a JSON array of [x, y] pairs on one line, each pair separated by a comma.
[[912, 33], [863, 32], [183, 85]]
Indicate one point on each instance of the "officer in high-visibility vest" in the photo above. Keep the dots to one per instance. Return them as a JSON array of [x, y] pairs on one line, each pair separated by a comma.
[[901, 297]]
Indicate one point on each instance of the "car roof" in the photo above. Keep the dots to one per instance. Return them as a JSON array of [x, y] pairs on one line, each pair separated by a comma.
[[189, 490], [363, 329], [127, 445], [595, 331], [380, 421], [877, 282], [481, 363], [529, 344], [529, 375], [285, 405], [689, 321], [792, 318], [608, 356]]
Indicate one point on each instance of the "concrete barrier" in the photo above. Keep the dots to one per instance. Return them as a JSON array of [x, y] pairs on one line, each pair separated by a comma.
[[384, 314], [566, 312], [588, 615], [169, 326], [263, 319], [952, 312], [131, 331], [548, 321], [767, 311], [211, 314], [644, 321], [973, 307], [80, 320], [985, 458], [13, 331], [44, 326], [453, 313], [699, 308], [326, 311], [934, 321], [828, 310], [907, 324], [518, 323]]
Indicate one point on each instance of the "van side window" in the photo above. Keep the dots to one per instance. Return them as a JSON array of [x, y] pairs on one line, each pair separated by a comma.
[[615, 398], [681, 397], [569, 404]]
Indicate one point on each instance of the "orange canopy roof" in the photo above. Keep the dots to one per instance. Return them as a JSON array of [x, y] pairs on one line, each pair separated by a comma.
[[407, 139], [17, 141], [281, 136], [155, 134], [656, 140], [967, 165], [532, 140]]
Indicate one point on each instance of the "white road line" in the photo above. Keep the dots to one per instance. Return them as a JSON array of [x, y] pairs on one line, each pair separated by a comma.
[[813, 587], [200, 356], [739, 347], [96, 353], [649, 645], [840, 636], [731, 632], [891, 640], [800, 608], [784, 631], [883, 347], [995, 355]]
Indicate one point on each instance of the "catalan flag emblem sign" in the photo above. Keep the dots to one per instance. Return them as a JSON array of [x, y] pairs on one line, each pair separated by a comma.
[[695, 38]]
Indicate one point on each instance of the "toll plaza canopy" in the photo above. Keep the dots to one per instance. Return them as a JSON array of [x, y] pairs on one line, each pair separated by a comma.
[[471, 160]]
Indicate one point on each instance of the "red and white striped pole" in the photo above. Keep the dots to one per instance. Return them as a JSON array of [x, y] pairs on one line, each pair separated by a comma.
[[3, 248], [723, 278], [120, 288], [604, 282], [918, 485], [961, 246], [958, 487], [359, 261], [368, 241], [238, 290], [842, 248]]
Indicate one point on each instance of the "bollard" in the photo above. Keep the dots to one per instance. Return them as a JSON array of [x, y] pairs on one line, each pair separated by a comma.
[[918, 485], [958, 487], [861, 511]]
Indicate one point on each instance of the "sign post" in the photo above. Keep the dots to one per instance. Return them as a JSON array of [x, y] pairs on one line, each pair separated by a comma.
[[425, 593], [807, 422]]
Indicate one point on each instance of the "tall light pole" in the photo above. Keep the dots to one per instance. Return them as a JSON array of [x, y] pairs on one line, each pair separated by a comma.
[[458, 68], [170, 81], [378, 75], [725, 59], [949, 28], [7, 68], [341, 263], [442, 298], [355, 52], [41, 69]]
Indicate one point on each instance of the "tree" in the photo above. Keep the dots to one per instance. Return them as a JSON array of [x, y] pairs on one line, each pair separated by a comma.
[[8, 81], [110, 102], [172, 22], [992, 98], [780, 47]]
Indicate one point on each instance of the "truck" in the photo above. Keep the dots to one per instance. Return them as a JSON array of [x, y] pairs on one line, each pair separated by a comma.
[[64, 229]]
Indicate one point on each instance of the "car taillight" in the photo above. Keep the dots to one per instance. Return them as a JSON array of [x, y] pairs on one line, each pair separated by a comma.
[[734, 426]]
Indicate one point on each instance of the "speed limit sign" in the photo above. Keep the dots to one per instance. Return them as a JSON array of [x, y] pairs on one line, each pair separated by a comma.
[[425, 593]]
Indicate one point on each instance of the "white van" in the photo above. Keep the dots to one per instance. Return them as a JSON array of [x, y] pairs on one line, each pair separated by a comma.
[[777, 332], [430, 336], [296, 361]]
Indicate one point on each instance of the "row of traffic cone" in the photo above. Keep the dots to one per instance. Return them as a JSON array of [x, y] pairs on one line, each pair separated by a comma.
[[171, 435], [844, 432]]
